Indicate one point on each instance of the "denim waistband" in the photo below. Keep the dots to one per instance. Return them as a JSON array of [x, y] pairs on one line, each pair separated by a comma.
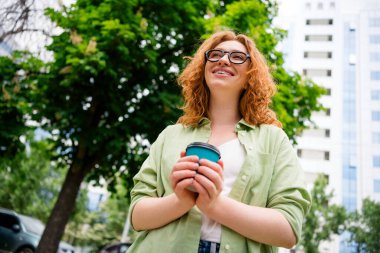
[[208, 247]]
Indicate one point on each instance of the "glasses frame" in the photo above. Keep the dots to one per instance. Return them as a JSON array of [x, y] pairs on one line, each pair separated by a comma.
[[229, 55]]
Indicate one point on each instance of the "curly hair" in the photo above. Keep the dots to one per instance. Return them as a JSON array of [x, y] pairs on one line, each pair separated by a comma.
[[255, 98]]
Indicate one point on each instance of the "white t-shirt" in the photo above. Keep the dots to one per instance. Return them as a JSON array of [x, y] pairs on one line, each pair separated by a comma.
[[233, 155]]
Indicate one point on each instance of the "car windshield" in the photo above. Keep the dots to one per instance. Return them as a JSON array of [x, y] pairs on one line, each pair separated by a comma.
[[32, 225]]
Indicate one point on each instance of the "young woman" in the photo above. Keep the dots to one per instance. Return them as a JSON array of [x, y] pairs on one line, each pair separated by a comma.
[[253, 199]]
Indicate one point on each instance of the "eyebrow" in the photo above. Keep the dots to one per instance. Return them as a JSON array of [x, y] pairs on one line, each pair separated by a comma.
[[233, 50]]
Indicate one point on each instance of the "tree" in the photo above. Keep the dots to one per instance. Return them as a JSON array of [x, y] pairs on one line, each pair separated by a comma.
[[365, 227], [15, 77], [102, 226], [111, 84], [323, 218], [34, 174]]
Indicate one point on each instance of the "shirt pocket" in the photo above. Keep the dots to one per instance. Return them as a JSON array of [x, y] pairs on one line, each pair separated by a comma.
[[260, 166]]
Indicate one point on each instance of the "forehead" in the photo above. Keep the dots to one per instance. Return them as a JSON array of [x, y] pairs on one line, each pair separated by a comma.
[[231, 45]]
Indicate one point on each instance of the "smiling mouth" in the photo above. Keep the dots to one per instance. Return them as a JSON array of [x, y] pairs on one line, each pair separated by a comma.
[[222, 72]]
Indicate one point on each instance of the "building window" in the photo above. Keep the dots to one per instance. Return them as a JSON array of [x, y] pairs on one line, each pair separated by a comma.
[[374, 56], [318, 38], [325, 112], [376, 138], [374, 22], [313, 154], [376, 161], [320, 6], [332, 5], [374, 39], [319, 21], [376, 115], [328, 92], [315, 54], [316, 72], [352, 59], [316, 132], [352, 27], [376, 185], [375, 94], [375, 75], [308, 6]]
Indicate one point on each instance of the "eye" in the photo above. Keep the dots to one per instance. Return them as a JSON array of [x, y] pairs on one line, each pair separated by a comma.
[[216, 54], [238, 56]]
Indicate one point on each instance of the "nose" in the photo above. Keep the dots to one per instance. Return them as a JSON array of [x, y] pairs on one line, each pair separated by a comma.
[[224, 59]]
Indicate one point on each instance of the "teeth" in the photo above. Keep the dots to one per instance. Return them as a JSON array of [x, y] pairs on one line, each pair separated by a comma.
[[222, 72]]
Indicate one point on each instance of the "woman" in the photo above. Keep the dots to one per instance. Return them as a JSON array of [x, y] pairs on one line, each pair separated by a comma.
[[252, 200]]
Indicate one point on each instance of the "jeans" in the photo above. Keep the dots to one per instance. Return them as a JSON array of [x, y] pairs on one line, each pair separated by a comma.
[[208, 247]]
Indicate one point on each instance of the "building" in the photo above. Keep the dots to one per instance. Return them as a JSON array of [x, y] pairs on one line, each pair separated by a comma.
[[7, 46], [336, 43]]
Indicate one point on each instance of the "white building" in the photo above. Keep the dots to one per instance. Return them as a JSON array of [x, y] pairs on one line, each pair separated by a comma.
[[336, 43], [7, 46]]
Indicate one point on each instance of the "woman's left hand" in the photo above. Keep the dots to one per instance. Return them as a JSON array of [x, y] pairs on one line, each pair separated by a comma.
[[209, 184]]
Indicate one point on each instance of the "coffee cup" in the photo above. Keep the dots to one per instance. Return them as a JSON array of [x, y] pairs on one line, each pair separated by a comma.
[[203, 151]]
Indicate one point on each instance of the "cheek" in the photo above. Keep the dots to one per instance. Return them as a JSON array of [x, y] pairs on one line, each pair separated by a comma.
[[207, 73]]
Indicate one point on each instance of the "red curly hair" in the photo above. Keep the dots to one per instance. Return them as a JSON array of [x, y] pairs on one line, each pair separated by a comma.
[[254, 100]]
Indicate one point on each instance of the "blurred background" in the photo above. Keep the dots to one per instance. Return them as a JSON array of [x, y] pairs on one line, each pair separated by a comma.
[[86, 86]]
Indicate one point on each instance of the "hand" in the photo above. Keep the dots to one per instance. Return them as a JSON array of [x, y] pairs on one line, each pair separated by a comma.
[[209, 184], [182, 177]]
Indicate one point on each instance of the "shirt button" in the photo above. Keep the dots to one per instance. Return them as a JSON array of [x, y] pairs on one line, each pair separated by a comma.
[[227, 247], [244, 177]]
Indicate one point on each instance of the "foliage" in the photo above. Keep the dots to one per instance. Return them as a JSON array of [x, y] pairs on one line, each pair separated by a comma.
[[17, 75], [365, 227], [103, 226], [111, 84], [323, 219], [30, 182]]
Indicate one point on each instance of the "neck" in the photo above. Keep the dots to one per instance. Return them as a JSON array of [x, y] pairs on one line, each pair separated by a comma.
[[224, 111]]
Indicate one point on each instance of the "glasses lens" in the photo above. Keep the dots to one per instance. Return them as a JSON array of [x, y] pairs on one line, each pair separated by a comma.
[[238, 57], [214, 55]]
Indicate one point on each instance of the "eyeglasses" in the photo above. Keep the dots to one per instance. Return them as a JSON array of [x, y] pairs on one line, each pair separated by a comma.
[[236, 57]]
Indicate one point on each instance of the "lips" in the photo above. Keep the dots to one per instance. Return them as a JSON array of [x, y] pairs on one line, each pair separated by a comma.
[[222, 71]]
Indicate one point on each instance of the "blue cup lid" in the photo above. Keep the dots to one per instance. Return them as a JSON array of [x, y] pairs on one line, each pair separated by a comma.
[[204, 145]]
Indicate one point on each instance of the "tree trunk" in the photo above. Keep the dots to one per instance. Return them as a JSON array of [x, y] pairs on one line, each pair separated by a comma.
[[64, 206]]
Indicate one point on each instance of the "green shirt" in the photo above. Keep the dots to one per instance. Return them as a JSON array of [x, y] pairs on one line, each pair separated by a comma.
[[270, 177]]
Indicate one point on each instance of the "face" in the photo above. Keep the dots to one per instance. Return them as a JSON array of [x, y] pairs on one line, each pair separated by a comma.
[[226, 77]]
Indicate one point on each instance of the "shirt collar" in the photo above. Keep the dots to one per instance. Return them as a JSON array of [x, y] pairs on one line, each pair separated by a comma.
[[241, 125], [245, 125]]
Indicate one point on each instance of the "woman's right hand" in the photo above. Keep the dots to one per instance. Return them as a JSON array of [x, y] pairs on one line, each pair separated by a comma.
[[182, 177]]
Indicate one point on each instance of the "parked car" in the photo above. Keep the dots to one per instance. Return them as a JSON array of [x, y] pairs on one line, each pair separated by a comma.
[[21, 234], [120, 247]]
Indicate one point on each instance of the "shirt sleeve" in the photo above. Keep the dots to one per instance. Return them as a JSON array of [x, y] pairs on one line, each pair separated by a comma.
[[146, 180], [287, 193]]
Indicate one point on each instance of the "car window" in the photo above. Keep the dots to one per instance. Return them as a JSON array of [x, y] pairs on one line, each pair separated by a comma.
[[112, 249], [123, 248], [32, 225], [7, 220]]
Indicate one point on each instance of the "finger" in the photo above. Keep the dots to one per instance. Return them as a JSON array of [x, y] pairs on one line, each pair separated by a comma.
[[192, 158], [221, 163], [214, 166], [183, 153], [183, 184], [185, 166], [208, 186], [213, 176], [200, 189], [177, 176]]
